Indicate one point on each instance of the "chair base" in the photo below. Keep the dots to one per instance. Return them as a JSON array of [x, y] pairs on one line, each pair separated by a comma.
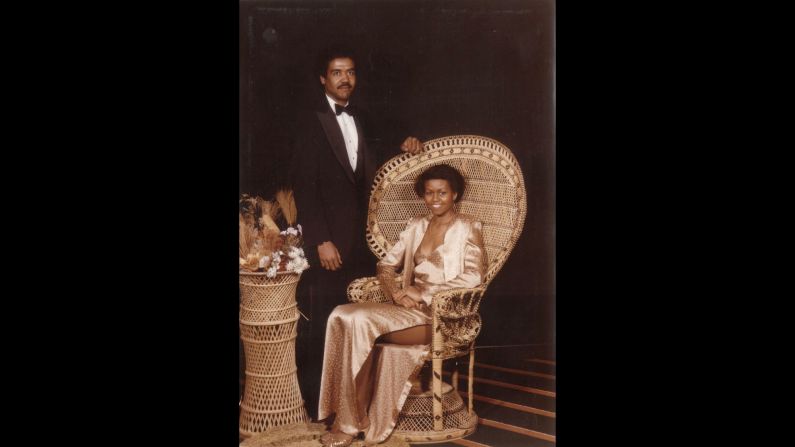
[[415, 423], [434, 437]]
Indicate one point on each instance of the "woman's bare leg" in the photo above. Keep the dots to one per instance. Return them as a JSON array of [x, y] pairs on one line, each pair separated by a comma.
[[417, 335]]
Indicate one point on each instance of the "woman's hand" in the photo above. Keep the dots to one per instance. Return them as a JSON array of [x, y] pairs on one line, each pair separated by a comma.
[[409, 297]]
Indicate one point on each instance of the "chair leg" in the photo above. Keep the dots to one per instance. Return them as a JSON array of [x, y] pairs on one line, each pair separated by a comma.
[[471, 379], [438, 423], [454, 377]]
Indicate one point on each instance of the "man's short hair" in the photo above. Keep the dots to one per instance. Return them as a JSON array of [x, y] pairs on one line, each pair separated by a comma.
[[330, 53]]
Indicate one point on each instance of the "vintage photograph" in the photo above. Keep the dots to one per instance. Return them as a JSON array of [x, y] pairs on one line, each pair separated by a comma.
[[397, 223]]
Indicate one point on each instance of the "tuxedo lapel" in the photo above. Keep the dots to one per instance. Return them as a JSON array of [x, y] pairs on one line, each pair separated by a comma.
[[334, 136], [366, 157]]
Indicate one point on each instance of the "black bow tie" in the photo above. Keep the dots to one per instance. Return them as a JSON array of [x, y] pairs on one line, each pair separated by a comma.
[[339, 109]]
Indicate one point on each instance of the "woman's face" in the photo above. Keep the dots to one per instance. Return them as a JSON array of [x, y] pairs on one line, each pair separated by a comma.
[[439, 197]]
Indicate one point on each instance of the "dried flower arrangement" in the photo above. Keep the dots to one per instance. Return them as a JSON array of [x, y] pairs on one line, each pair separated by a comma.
[[265, 248]]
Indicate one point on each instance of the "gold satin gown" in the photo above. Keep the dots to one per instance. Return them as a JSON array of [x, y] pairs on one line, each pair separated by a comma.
[[368, 395]]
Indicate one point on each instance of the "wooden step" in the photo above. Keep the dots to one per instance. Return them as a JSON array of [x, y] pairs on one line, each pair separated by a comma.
[[514, 371], [502, 384], [511, 405], [515, 429]]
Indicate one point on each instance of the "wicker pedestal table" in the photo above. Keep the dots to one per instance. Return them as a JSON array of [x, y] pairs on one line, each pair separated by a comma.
[[268, 328]]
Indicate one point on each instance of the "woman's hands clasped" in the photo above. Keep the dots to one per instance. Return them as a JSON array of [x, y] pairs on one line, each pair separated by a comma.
[[409, 298]]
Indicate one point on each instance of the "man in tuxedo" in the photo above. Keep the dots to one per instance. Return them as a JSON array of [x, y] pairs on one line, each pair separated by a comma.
[[333, 170]]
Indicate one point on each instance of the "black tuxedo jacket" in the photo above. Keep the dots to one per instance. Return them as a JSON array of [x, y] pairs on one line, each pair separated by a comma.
[[330, 197]]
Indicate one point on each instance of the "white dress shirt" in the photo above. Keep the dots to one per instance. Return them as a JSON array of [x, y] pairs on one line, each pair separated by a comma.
[[349, 134]]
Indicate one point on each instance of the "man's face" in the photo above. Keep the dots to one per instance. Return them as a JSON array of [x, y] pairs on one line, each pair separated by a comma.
[[340, 79]]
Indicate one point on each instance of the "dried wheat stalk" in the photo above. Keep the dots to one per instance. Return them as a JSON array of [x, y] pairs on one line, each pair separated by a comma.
[[286, 203], [245, 236]]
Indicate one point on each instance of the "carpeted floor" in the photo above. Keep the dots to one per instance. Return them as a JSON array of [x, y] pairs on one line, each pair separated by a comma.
[[303, 435]]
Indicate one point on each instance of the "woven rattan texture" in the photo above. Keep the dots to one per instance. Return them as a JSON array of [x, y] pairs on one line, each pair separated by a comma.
[[417, 414], [367, 289], [268, 329], [495, 194], [269, 349], [265, 300]]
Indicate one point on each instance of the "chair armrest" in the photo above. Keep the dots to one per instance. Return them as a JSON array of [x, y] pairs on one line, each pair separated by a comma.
[[457, 303], [456, 321], [368, 290]]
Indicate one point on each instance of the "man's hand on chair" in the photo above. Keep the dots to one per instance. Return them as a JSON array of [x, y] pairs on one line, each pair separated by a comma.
[[411, 145]]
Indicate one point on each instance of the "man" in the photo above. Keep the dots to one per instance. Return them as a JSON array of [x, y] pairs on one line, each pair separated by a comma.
[[333, 170]]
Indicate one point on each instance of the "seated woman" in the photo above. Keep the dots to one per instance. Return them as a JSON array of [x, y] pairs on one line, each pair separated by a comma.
[[365, 388]]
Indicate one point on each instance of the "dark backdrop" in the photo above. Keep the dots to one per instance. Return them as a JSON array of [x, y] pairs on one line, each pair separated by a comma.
[[428, 69]]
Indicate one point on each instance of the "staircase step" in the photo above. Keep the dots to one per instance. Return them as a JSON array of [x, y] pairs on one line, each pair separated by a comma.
[[503, 384], [489, 372], [516, 357], [529, 421], [517, 371], [491, 436], [509, 404], [505, 435], [541, 402]]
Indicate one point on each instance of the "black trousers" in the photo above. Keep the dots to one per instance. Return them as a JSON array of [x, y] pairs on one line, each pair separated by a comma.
[[319, 292]]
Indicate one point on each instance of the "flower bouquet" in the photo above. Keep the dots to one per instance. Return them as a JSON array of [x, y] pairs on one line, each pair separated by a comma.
[[263, 246]]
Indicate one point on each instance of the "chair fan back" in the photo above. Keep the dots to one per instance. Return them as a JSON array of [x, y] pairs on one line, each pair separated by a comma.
[[495, 194]]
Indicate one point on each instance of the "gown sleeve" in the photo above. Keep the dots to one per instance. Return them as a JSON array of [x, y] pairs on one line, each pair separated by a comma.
[[387, 268]]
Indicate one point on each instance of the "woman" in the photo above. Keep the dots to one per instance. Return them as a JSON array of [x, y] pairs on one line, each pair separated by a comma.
[[441, 251]]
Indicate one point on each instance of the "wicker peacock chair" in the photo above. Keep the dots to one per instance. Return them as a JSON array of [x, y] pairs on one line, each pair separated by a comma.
[[495, 195]]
